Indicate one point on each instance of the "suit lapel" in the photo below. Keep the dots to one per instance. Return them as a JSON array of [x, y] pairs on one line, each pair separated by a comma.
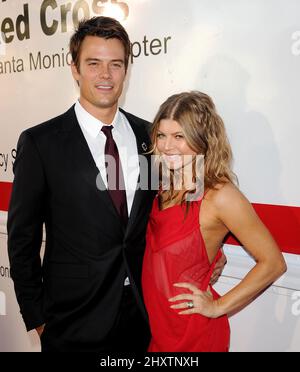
[[143, 146], [84, 161]]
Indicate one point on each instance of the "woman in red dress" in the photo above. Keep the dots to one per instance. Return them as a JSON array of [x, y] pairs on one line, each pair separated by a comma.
[[197, 206]]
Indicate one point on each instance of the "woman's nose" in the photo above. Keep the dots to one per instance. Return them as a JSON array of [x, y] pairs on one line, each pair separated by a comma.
[[169, 144]]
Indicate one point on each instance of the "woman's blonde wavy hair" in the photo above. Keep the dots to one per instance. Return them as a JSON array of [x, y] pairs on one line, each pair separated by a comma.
[[204, 132]]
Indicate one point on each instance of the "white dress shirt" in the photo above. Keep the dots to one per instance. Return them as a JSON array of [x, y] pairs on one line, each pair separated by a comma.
[[126, 143]]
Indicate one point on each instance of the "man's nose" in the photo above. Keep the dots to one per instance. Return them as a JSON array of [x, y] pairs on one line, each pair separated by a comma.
[[105, 71]]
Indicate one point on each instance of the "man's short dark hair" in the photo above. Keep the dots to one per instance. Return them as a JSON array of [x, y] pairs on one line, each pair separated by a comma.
[[105, 27]]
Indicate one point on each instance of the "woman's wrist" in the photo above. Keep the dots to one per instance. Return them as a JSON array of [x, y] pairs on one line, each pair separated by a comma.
[[219, 309]]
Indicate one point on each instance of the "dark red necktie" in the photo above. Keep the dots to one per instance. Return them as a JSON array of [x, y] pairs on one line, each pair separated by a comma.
[[115, 177]]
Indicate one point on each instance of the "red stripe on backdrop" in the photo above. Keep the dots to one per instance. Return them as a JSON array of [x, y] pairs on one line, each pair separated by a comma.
[[5, 191], [284, 224], [282, 221]]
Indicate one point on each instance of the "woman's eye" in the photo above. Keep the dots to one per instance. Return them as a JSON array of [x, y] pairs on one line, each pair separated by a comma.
[[159, 135]]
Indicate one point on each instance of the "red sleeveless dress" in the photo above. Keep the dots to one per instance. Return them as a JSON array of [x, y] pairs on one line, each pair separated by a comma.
[[176, 253]]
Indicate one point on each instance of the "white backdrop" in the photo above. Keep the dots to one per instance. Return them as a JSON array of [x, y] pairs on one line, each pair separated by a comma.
[[245, 54]]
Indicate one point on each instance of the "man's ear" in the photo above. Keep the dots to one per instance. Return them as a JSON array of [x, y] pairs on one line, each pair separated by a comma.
[[75, 71]]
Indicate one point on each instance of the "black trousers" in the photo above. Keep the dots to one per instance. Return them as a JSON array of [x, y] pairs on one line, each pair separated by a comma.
[[130, 333]]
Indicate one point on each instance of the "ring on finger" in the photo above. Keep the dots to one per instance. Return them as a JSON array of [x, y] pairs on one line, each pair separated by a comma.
[[190, 304]]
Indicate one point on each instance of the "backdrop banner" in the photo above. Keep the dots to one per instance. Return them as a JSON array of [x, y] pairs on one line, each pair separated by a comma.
[[244, 54]]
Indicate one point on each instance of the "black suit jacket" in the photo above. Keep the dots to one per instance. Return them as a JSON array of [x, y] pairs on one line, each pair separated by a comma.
[[77, 290]]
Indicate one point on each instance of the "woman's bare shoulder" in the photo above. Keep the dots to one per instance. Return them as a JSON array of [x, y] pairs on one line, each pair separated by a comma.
[[226, 194]]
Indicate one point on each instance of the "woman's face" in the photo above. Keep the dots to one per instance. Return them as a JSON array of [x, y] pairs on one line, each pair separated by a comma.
[[172, 145]]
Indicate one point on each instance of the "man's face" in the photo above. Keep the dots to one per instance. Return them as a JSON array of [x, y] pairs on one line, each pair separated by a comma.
[[101, 73]]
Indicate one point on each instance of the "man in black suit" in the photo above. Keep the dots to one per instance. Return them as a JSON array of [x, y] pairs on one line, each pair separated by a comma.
[[86, 296]]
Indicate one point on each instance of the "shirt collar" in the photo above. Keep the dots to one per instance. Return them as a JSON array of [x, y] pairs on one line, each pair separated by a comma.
[[92, 125]]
